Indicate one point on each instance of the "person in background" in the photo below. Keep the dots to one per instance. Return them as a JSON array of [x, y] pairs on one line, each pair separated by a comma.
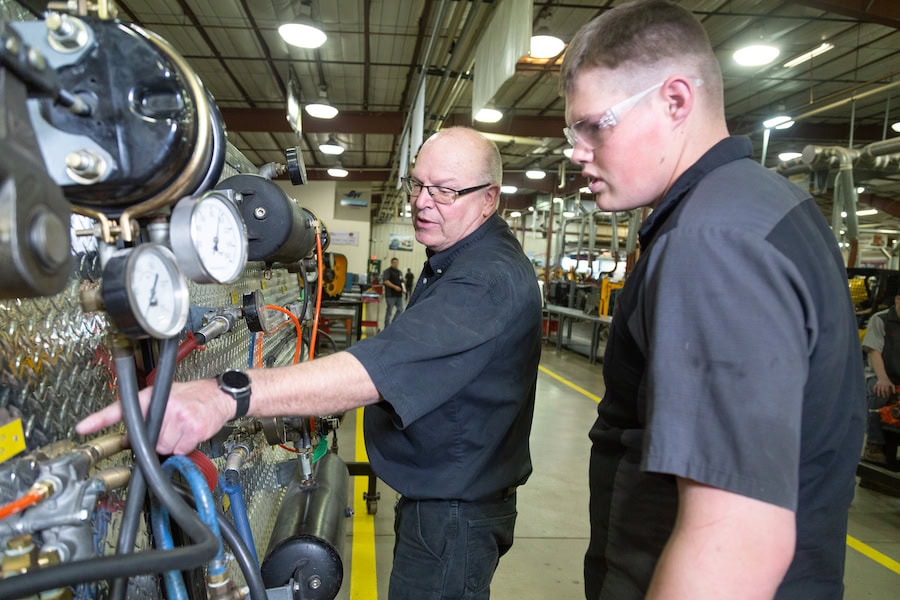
[[725, 448], [410, 280], [881, 344], [393, 292], [449, 387]]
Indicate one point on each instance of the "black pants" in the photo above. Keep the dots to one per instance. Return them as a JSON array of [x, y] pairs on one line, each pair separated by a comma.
[[447, 549]]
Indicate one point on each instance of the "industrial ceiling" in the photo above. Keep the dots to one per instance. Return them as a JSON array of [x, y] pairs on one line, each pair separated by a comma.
[[378, 50]]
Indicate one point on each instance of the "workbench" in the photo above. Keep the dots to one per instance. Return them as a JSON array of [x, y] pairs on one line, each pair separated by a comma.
[[566, 316]]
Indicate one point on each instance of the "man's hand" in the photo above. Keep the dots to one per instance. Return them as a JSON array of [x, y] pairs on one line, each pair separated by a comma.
[[196, 411], [884, 388]]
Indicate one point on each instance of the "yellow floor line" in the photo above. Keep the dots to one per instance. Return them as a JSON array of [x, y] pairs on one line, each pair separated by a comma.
[[862, 548], [565, 381], [873, 554], [363, 580]]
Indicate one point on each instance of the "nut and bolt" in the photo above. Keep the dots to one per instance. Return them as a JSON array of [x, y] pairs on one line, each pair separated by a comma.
[[259, 212]]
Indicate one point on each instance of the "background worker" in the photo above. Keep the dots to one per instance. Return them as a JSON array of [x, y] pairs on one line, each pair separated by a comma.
[[448, 388], [726, 444], [881, 344], [393, 291], [409, 279]]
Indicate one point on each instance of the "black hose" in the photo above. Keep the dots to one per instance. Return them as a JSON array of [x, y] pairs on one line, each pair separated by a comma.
[[137, 487], [245, 559], [149, 562]]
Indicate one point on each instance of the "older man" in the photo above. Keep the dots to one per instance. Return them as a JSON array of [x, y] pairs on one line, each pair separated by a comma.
[[449, 387], [726, 443]]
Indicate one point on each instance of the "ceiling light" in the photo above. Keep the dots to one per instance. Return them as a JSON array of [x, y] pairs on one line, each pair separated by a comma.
[[866, 212], [508, 189], [488, 115], [331, 146], [302, 35], [779, 122], [568, 214], [338, 171], [860, 190], [544, 45], [585, 190], [322, 110], [535, 173], [755, 56], [896, 126], [515, 214], [530, 209], [557, 200], [822, 49], [568, 152], [786, 156]]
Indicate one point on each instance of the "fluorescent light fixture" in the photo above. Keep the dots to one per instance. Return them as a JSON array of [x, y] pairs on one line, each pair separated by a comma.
[[779, 122], [508, 189], [821, 49], [756, 55], [331, 146], [535, 173], [786, 156], [338, 171], [568, 214], [302, 34], [544, 45], [515, 214], [488, 115], [866, 212]]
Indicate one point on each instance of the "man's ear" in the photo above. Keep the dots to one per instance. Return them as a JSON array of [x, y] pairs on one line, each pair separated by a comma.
[[489, 206], [680, 94]]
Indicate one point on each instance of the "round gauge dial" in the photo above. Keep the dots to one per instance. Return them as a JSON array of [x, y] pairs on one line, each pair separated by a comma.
[[145, 293], [209, 237]]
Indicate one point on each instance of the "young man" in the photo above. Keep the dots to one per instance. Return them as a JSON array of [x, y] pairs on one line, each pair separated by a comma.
[[393, 291], [725, 448], [449, 388]]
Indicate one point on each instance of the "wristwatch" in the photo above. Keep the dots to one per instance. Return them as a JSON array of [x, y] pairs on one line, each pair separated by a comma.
[[237, 384]]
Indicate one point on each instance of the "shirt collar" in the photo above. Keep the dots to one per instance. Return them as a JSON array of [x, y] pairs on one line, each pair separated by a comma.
[[439, 261], [725, 151]]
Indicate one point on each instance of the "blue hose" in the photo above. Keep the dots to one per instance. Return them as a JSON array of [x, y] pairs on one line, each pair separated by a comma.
[[231, 485], [159, 519], [205, 505]]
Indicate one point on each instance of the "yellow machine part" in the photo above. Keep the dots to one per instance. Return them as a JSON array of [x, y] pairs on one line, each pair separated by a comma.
[[606, 289], [336, 273]]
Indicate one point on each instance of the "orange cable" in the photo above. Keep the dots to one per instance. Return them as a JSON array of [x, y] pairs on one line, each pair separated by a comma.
[[297, 326], [20, 504], [320, 271]]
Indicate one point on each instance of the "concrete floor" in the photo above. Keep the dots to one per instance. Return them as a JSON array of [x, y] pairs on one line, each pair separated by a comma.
[[552, 527]]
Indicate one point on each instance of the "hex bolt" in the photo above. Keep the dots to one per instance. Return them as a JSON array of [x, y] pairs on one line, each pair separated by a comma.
[[12, 45], [36, 60], [259, 212], [314, 582], [85, 164]]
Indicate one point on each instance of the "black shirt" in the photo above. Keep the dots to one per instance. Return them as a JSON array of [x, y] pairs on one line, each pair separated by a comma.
[[457, 371]]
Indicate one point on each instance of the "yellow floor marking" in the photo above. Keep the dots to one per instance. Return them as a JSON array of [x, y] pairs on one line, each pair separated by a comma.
[[873, 554], [862, 548], [565, 381], [363, 581]]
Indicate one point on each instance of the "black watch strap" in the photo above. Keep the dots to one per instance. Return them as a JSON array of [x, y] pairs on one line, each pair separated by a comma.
[[236, 384]]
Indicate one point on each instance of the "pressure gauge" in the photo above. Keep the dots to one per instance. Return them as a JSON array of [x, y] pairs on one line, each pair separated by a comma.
[[209, 237], [145, 293]]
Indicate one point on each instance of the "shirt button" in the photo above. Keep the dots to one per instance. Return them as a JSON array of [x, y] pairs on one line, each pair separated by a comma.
[[440, 271]]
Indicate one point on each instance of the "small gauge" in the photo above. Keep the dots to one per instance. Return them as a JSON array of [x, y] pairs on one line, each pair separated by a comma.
[[145, 293], [209, 237]]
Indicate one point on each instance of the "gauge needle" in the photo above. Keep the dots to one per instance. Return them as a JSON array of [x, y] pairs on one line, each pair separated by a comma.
[[216, 237], [153, 300]]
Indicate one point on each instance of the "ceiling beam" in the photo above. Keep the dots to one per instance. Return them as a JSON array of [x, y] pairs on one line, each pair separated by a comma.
[[882, 12]]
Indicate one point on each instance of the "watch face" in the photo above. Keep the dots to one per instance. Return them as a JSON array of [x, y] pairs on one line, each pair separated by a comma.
[[235, 379]]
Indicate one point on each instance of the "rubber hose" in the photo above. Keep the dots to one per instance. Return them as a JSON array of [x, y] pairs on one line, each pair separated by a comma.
[[144, 563], [175, 588], [137, 488], [246, 562], [231, 485]]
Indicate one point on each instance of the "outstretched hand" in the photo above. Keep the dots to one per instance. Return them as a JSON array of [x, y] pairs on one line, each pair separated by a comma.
[[196, 411]]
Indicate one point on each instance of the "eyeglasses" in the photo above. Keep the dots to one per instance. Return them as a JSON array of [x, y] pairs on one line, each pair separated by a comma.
[[438, 193], [589, 130]]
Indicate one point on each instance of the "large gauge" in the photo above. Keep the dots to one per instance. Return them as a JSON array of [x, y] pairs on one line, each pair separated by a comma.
[[209, 237], [145, 293]]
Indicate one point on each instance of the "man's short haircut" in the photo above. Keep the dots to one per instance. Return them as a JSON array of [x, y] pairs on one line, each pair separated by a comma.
[[643, 34], [492, 166]]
